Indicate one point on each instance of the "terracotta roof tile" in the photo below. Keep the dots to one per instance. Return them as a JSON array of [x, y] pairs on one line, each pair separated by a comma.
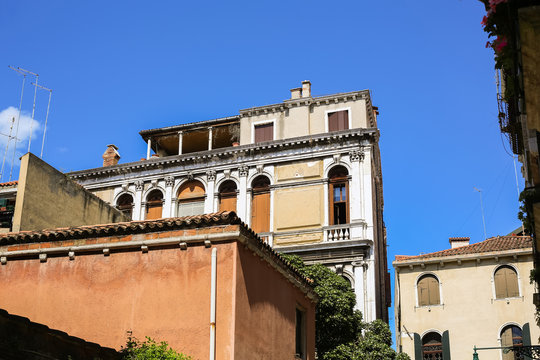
[[9, 183], [499, 243]]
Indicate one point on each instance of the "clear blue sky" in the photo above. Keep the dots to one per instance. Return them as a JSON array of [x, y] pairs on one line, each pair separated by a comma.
[[117, 67]]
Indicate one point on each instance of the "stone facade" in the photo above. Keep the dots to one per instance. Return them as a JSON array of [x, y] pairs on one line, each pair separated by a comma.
[[295, 148]]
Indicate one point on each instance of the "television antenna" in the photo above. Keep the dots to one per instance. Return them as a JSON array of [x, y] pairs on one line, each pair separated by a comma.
[[20, 72], [46, 118], [482, 208], [34, 104]]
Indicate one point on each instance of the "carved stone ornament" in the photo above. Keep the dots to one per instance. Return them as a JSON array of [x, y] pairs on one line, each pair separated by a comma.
[[169, 181], [211, 175], [139, 185], [243, 170], [227, 174], [356, 155], [337, 158], [153, 183], [260, 169], [190, 175], [124, 187]]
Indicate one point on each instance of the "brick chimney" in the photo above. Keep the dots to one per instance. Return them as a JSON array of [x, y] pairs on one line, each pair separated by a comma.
[[296, 93], [306, 88], [111, 155], [459, 241]]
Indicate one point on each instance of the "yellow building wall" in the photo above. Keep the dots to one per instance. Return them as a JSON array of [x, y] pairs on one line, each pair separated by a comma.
[[469, 310], [299, 171], [298, 208]]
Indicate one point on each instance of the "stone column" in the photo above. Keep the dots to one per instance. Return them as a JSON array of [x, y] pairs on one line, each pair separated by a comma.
[[180, 139], [355, 192], [148, 148], [209, 201], [241, 203], [137, 202], [167, 206], [359, 286], [368, 200], [210, 138]]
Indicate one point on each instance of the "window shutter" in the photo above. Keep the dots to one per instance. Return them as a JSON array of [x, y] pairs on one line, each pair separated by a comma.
[[512, 283], [343, 117], [526, 334], [433, 286], [227, 203], [333, 122], [417, 347], [264, 132], [446, 345], [500, 284], [423, 292]]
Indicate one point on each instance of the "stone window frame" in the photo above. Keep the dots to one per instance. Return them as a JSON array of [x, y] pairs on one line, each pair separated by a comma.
[[327, 112], [493, 288], [264, 122], [418, 278]]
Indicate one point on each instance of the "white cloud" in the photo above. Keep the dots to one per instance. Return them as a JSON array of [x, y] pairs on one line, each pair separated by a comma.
[[25, 123]]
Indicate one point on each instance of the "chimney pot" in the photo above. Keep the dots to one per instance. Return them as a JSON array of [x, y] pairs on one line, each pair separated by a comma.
[[456, 242], [111, 155], [306, 88]]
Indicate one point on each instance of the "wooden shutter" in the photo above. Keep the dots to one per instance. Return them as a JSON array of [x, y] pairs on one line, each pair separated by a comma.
[[433, 286], [423, 292], [506, 283], [417, 347], [260, 212], [264, 132], [338, 120], [511, 283], [153, 211], [446, 345], [506, 340], [227, 203]]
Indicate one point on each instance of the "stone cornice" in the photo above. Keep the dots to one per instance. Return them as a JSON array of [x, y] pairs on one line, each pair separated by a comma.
[[319, 100], [370, 134]]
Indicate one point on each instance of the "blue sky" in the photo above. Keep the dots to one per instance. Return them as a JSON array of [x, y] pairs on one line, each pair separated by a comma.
[[119, 67]]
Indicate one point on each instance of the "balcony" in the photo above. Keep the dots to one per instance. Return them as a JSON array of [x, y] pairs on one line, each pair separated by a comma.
[[337, 232]]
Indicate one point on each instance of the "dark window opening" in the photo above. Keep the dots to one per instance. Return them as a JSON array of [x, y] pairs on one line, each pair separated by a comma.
[[432, 348], [339, 199], [125, 204], [338, 120], [511, 335], [300, 335]]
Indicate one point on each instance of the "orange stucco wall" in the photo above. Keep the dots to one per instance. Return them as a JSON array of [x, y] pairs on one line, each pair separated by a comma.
[[265, 310], [164, 293]]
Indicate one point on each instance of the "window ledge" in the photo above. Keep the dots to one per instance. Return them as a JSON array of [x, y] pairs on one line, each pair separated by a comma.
[[429, 306], [509, 298]]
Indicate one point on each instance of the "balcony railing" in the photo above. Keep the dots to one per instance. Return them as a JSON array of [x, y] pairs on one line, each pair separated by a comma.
[[338, 232]]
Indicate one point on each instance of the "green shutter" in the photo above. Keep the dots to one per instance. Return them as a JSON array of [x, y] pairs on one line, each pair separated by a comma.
[[526, 337], [417, 347], [446, 345]]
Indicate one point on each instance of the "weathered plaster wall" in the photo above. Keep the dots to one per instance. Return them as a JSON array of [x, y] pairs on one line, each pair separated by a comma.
[[469, 310], [46, 198], [164, 293], [265, 310], [299, 208]]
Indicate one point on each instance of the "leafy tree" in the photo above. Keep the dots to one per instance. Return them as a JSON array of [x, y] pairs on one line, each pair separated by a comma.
[[340, 332], [150, 350]]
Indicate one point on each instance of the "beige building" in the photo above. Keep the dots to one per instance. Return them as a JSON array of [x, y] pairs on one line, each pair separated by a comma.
[[305, 174], [479, 294]]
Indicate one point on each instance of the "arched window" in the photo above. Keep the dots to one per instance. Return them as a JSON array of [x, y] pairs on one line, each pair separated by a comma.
[[154, 205], [432, 348], [191, 199], [227, 196], [428, 290], [511, 335], [260, 204], [125, 204], [506, 282], [339, 195]]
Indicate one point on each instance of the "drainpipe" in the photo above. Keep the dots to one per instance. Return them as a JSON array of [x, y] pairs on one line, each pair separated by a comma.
[[213, 306]]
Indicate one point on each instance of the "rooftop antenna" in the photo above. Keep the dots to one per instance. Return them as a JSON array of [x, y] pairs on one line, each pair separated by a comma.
[[34, 105], [7, 146], [46, 116], [482, 208], [18, 118]]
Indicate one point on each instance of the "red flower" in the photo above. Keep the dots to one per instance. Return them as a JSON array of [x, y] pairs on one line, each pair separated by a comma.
[[484, 21], [488, 44], [500, 44]]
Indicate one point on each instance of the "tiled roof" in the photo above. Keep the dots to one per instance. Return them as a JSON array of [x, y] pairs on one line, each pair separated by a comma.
[[9, 183], [146, 226], [499, 243]]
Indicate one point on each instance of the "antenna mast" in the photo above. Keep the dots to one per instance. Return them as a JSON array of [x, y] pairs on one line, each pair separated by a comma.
[[7, 146], [18, 118], [46, 117], [34, 105], [482, 208]]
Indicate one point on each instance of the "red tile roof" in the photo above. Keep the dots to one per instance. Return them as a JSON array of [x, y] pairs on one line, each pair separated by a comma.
[[499, 243], [146, 226], [9, 183]]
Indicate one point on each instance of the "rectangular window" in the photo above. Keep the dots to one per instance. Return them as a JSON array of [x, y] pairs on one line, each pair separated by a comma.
[[338, 120], [339, 204], [191, 208], [264, 132], [300, 334]]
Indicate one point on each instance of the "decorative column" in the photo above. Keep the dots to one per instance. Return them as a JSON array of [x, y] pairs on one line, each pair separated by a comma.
[[137, 202], [210, 138], [369, 275], [167, 206], [148, 148], [368, 200], [359, 286], [209, 201], [241, 204], [355, 192], [180, 139]]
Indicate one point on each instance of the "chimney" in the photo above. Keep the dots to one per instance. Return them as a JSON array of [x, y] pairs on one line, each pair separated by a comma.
[[296, 93], [459, 241], [306, 88], [111, 156]]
